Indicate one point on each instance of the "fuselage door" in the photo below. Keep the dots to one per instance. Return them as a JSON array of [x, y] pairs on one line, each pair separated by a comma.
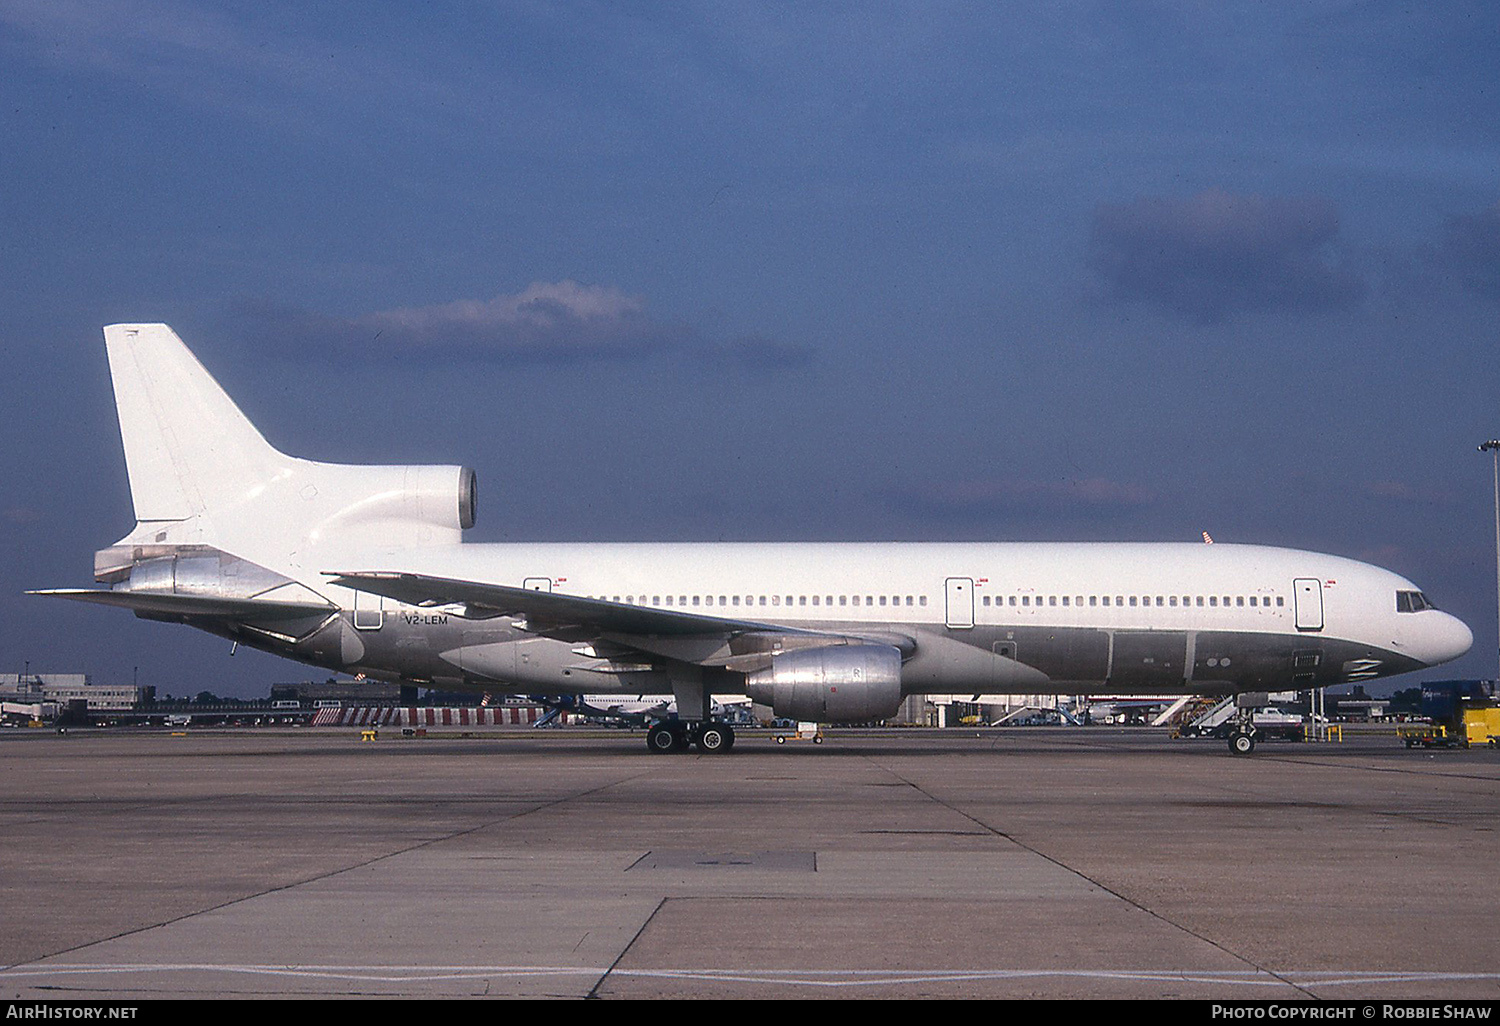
[[1307, 598], [369, 611], [960, 602]]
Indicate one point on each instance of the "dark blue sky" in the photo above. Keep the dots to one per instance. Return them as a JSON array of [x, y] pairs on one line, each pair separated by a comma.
[[696, 271]]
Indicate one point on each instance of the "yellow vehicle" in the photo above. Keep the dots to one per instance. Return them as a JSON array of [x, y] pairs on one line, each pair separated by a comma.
[[1482, 726], [1428, 735], [1478, 725], [806, 731]]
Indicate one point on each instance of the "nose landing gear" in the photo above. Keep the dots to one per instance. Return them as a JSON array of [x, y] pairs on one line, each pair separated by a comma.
[[1242, 732]]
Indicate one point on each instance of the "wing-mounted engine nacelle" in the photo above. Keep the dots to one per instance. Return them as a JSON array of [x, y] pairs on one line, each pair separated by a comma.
[[836, 684]]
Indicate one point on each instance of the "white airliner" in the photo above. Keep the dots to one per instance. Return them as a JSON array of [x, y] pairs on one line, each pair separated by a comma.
[[640, 710], [361, 569]]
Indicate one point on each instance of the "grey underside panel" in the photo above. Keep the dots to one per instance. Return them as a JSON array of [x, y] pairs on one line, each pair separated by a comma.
[[1041, 659]]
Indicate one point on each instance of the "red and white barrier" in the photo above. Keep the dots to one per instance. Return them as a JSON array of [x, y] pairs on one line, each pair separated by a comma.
[[411, 716]]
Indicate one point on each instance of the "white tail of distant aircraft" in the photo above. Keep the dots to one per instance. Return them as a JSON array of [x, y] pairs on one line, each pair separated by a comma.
[[362, 569]]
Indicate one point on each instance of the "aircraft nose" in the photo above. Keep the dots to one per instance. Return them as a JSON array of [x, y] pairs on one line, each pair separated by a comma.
[[1441, 638]]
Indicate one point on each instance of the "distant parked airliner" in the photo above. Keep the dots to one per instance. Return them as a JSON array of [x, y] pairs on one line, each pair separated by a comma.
[[362, 569]]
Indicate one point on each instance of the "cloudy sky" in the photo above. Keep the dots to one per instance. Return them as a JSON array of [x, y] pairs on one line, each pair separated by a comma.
[[1065, 270]]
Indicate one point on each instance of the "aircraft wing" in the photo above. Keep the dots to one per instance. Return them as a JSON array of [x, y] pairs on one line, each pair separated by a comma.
[[546, 612], [692, 637], [146, 603]]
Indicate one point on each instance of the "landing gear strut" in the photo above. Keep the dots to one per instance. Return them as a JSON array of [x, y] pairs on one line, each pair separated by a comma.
[[677, 736], [1242, 732]]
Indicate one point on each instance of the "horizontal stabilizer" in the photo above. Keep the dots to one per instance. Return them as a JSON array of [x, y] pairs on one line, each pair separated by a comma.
[[162, 604]]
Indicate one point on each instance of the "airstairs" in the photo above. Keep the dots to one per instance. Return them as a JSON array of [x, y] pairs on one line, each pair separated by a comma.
[[1195, 714]]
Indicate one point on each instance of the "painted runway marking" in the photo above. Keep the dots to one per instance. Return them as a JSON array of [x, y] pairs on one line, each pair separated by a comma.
[[777, 977]]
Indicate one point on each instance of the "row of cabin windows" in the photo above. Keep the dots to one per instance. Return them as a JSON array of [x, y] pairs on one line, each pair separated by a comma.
[[1160, 601], [764, 600]]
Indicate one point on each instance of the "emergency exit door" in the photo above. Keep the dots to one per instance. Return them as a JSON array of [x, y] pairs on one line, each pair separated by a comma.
[[960, 602], [1307, 598]]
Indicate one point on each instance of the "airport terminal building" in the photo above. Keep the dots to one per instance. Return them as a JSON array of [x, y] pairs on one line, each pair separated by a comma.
[[63, 688]]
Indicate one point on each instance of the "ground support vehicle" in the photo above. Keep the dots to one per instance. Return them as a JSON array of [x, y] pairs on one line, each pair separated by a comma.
[[805, 732]]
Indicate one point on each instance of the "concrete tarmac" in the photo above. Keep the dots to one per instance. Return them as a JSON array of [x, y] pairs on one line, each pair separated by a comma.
[[1039, 862]]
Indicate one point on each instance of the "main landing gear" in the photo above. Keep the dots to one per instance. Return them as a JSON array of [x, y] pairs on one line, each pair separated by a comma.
[[679, 735]]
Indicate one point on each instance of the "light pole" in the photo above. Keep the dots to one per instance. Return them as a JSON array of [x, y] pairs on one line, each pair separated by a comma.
[[1493, 448]]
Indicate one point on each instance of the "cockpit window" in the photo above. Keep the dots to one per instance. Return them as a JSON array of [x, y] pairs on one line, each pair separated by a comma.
[[1412, 602]]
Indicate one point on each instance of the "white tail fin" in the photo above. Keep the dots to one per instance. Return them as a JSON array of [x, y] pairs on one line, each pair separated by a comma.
[[201, 474], [186, 442]]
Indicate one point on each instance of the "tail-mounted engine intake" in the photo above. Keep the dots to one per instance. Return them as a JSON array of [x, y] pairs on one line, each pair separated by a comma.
[[439, 498], [836, 684]]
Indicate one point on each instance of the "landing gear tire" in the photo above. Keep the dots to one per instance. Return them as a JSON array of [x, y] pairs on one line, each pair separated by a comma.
[[715, 738], [1241, 742], [662, 739]]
